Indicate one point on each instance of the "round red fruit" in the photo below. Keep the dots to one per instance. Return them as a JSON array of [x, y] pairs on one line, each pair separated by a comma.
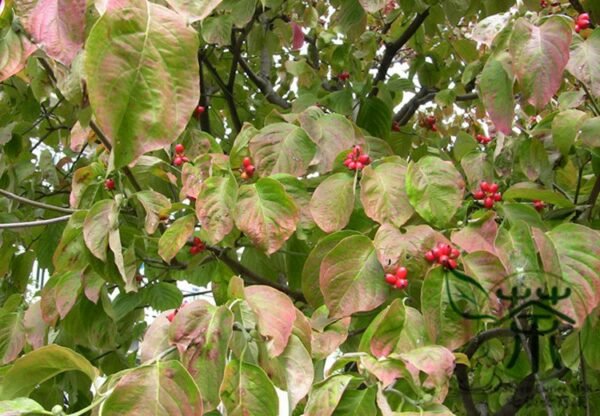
[[246, 162], [390, 278], [479, 194], [401, 273], [488, 203], [494, 187], [197, 241], [484, 186], [250, 170], [436, 252], [359, 166], [402, 283], [539, 205], [577, 28], [445, 249], [178, 161], [443, 259], [429, 256], [454, 253], [364, 159], [497, 197], [179, 148], [199, 110], [244, 176], [451, 264], [352, 165], [109, 184], [194, 249]]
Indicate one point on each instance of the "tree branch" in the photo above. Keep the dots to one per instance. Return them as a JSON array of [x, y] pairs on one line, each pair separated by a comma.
[[264, 86], [252, 277], [204, 118], [226, 94], [403, 116], [524, 392], [28, 224], [36, 203], [392, 48]]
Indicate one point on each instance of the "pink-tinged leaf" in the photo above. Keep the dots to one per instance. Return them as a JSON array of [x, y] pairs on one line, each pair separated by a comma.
[[333, 214], [328, 334], [104, 5], [373, 6], [326, 395], [384, 331], [488, 270], [173, 240], [126, 262], [100, 220], [192, 176], [478, 236], [496, 86], [15, 48], [58, 26], [12, 336], [266, 214], [486, 30], [215, 205], [386, 370], [85, 184], [79, 137], [303, 330], [383, 193], [540, 55], [282, 148], [275, 313], [194, 10], [92, 285], [156, 205], [298, 36], [435, 361], [585, 61], [156, 338], [146, 53], [446, 326], [351, 278], [35, 326], [247, 391], [190, 323], [163, 388], [577, 249], [413, 335], [59, 296], [516, 249], [298, 370], [312, 266]]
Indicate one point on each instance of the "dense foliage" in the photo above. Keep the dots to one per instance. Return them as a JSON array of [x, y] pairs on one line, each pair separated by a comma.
[[392, 206]]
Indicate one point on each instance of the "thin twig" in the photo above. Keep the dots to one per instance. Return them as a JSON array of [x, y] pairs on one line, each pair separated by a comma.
[[595, 108], [264, 86], [27, 224], [36, 203]]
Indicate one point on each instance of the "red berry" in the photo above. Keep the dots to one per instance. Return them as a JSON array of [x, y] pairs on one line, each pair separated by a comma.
[[139, 278], [443, 260], [395, 126], [171, 315], [109, 184], [402, 283], [436, 252], [250, 170], [433, 127], [199, 111], [359, 166], [429, 256], [185, 159], [197, 241], [195, 249], [488, 203], [451, 264], [539, 205], [497, 197], [479, 194], [344, 76], [179, 148], [445, 249], [401, 273], [494, 187], [484, 186], [352, 165], [178, 161], [454, 253], [577, 28], [246, 162], [390, 278], [364, 159]]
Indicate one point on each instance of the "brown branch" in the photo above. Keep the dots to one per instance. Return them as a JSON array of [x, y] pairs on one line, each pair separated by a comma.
[[594, 196], [205, 117], [524, 392], [36, 203], [403, 116], [226, 94], [392, 48], [264, 86]]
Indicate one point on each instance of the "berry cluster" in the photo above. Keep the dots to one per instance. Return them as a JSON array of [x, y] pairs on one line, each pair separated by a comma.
[[179, 158], [171, 315], [582, 22], [109, 184], [356, 159], [247, 168], [443, 254], [539, 205], [398, 278], [198, 111], [482, 139], [198, 246], [488, 193], [344, 76], [429, 122], [543, 4]]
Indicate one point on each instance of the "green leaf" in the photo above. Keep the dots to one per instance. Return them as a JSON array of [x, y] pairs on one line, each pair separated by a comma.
[[312, 265], [585, 61], [435, 189], [156, 205], [383, 333], [194, 10], [375, 116], [275, 315], [40, 365], [59, 296], [15, 48], [326, 395], [496, 86], [358, 403], [21, 406], [12, 336], [162, 296], [351, 277], [373, 6], [147, 54], [217, 30], [383, 194], [282, 148], [333, 214], [299, 371], [516, 248], [535, 49], [590, 132], [163, 388], [247, 391], [266, 214], [100, 220], [531, 192], [214, 207], [565, 126], [174, 239]]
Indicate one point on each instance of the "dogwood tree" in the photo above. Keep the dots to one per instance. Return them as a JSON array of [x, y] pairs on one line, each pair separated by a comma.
[[389, 207]]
